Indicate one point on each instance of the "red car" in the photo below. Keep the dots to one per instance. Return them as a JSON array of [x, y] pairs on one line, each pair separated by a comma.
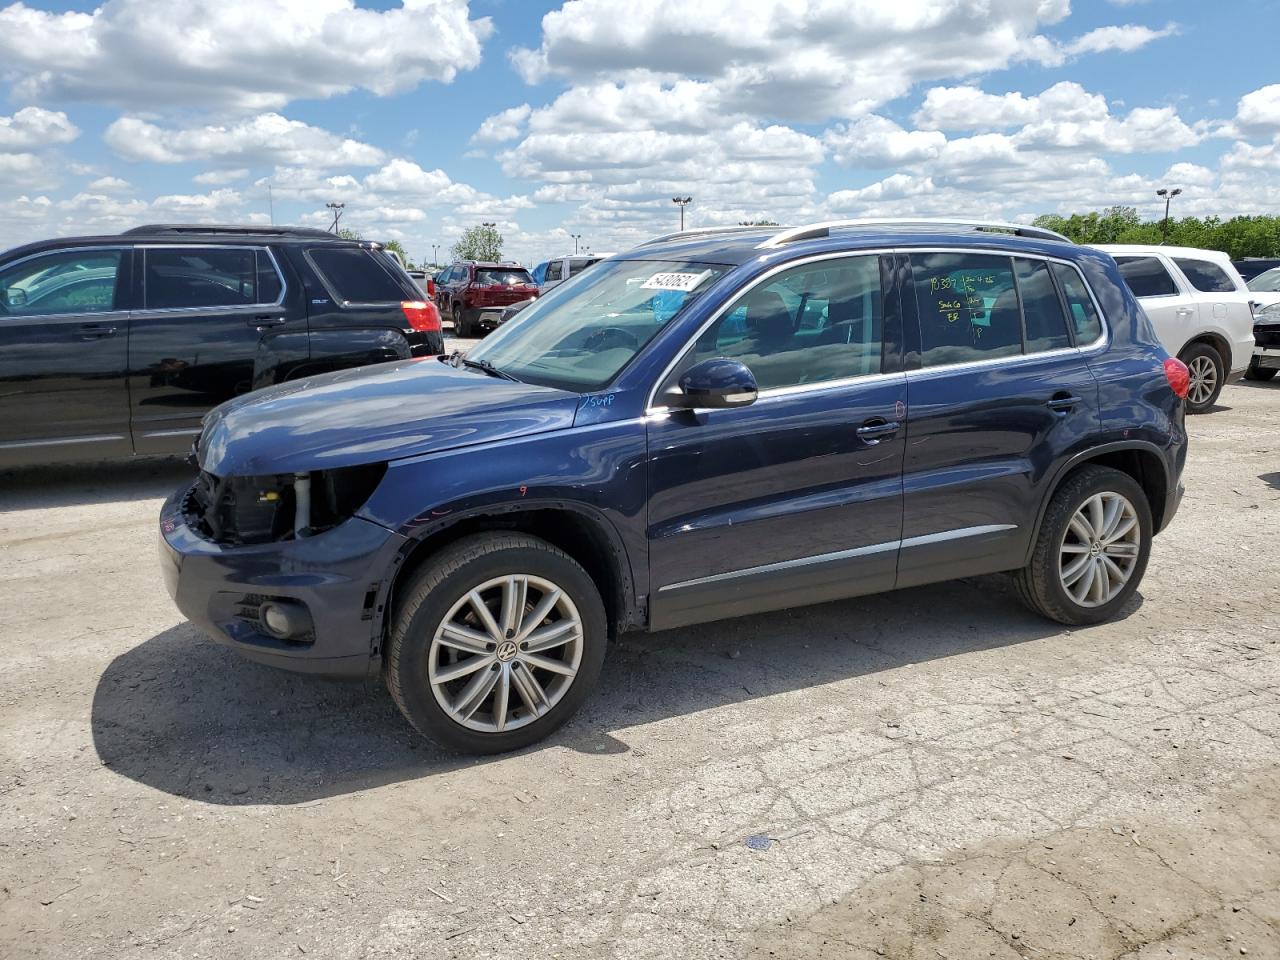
[[473, 293]]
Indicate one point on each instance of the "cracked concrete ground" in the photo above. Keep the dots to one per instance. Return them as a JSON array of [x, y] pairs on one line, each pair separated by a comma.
[[929, 773]]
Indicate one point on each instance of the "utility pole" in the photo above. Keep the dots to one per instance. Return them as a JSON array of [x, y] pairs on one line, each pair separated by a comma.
[[1168, 196], [576, 238], [682, 202], [337, 215], [271, 205]]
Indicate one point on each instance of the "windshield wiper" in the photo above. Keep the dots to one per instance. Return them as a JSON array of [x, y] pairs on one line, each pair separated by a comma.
[[459, 357]]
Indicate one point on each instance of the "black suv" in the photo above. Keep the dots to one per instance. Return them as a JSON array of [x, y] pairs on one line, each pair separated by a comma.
[[118, 345], [473, 294]]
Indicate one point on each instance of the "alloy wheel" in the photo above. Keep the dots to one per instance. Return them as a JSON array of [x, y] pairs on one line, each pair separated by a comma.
[[1099, 549], [506, 653], [1204, 379]]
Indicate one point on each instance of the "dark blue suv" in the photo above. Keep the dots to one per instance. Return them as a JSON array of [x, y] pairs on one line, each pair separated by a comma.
[[707, 426]]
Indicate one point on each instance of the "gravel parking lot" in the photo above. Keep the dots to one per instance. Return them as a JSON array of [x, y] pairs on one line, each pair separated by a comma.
[[929, 773]]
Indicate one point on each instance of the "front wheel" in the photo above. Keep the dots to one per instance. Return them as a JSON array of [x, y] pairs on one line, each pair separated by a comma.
[[496, 643], [1256, 372], [1092, 550], [1208, 374]]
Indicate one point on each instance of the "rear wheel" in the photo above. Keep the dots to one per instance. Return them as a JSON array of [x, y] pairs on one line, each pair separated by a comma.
[[1092, 549], [497, 642], [1256, 372], [1208, 373]]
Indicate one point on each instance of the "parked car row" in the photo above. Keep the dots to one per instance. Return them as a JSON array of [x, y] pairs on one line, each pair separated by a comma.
[[703, 427]]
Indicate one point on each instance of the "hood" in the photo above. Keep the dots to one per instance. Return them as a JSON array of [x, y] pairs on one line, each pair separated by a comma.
[[371, 414]]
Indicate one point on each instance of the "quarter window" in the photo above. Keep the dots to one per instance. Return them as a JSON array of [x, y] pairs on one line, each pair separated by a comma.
[[1044, 321], [192, 277], [1147, 277], [72, 281], [809, 324], [356, 276], [1084, 318], [968, 307], [554, 269], [1205, 276]]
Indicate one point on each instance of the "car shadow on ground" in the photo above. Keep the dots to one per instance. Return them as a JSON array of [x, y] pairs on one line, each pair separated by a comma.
[[1272, 480], [190, 718], [64, 485]]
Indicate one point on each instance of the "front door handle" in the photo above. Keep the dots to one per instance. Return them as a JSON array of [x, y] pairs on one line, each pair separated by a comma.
[[1062, 404], [94, 331], [877, 429]]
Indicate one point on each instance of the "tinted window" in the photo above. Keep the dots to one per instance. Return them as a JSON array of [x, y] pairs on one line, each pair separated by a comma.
[[577, 266], [1205, 276], [1046, 325], [1084, 318], [209, 277], [1146, 277], [554, 270], [968, 307], [818, 322], [356, 276], [502, 277], [73, 281]]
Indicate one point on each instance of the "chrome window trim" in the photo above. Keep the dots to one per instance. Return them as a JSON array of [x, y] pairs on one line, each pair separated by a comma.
[[941, 536], [1095, 346], [122, 247], [145, 311]]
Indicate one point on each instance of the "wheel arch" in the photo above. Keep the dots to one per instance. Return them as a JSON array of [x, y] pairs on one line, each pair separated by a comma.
[[588, 537], [1141, 460], [1216, 340]]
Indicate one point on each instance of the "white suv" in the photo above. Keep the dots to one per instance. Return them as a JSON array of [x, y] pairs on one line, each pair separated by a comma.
[[1199, 307]]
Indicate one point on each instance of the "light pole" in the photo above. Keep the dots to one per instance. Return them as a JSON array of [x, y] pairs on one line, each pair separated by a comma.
[[682, 202], [1168, 196], [434, 248], [337, 214], [576, 238]]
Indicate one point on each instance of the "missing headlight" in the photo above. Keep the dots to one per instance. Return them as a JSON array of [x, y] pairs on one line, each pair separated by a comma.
[[246, 510]]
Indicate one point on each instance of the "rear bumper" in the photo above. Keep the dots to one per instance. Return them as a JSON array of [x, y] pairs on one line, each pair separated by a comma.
[[340, 577]]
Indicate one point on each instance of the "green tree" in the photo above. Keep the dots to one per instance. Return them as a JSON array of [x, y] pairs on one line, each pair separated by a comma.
[[398, 247], [1239, 237], [478, 243], [346, 233]]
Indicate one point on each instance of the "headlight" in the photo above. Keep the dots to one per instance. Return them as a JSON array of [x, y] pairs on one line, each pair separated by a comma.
[[1269, 314]]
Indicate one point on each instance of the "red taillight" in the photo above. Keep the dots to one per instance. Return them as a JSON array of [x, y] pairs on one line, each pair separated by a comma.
[[421, 315], [431, 288], [1179, 377]]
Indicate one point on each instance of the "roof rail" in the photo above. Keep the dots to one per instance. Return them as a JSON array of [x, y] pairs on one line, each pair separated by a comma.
[[815, 230], [229, 229], [697, 233]]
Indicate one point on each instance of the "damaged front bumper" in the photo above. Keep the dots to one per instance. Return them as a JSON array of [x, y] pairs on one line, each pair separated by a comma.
[[334, 585]]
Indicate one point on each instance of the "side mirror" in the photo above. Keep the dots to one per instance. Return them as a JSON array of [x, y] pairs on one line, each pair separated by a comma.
[[15, 297], [715, 384]]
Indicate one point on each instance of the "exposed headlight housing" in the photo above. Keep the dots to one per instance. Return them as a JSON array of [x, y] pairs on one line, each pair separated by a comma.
[[1269, 314]]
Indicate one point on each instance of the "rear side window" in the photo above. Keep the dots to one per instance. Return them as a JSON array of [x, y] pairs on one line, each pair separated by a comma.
[[1147, 277], [577, 266], [968, 307], [1084, 318], [189, 277], [355, 275], [1205, 276], [1041, 309]]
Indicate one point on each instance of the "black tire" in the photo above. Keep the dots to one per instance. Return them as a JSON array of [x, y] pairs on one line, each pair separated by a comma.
[[433, 592], [1039, 583], [1189, 356], [1256, 372]]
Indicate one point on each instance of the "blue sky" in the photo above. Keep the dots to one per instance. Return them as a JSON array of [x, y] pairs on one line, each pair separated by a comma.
[[588, 116]]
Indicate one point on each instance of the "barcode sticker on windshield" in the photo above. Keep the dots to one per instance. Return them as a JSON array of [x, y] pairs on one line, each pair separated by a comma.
[[684, 282]]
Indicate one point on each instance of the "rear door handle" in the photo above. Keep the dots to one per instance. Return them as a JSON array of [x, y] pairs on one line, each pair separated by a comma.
[[1184, 311], [94, 331], [1061, 404], [267, 320], [877, 429]]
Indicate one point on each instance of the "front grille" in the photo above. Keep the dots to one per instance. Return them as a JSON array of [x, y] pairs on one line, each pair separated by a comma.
[[1267, 335]]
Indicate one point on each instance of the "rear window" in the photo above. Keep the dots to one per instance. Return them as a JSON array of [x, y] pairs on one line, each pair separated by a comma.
[[502, 277], [1147, 277], [355, 276], [1205, 276]]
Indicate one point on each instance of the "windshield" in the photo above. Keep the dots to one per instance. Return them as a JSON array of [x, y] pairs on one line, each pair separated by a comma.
[[502, 278], [1268, 282], [578, 336]]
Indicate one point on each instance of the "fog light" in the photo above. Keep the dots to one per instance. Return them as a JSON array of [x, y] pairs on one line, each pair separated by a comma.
[[283, 620]]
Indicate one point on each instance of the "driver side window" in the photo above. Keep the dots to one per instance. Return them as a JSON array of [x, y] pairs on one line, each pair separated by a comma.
[[812, 323]]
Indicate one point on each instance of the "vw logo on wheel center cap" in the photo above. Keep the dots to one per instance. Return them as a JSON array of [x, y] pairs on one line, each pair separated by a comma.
[[506, 651], [1095, 549]]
